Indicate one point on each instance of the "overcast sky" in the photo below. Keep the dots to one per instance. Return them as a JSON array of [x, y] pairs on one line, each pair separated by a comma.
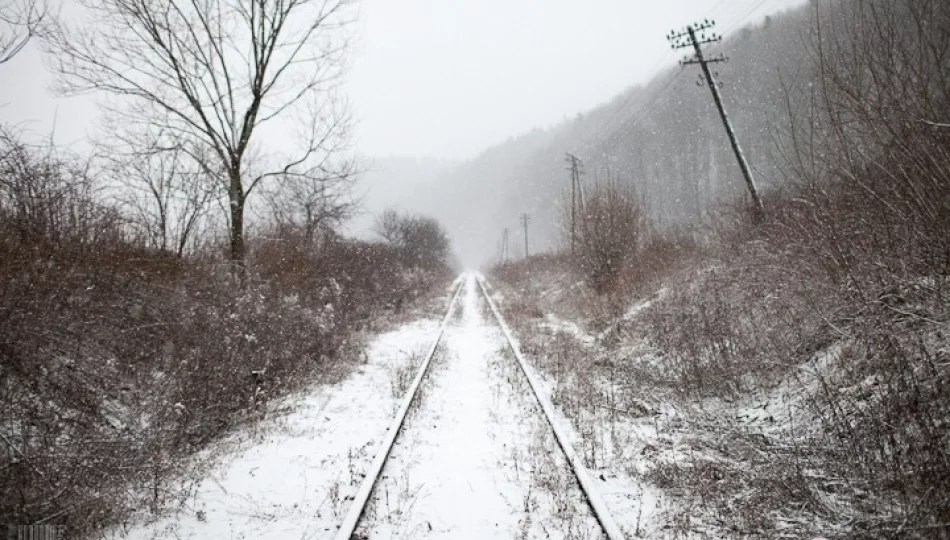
[[448, 78]]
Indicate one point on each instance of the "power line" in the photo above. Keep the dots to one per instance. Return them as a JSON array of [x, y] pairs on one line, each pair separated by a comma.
[[718, 4], [634, 96], [671, 54], [627, 101], [695, 36], [644, 99], [656, 96], [742, 20]]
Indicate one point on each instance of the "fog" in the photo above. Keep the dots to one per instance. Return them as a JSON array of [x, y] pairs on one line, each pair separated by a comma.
[[442, 81], [482, 269], [447, 79], [460, 78]]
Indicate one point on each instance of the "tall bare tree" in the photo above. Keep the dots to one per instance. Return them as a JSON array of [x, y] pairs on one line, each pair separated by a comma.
[[20, 20], [227, 73], [314, 203]]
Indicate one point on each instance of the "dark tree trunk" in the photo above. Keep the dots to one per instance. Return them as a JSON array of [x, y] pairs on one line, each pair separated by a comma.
[[236, 199]]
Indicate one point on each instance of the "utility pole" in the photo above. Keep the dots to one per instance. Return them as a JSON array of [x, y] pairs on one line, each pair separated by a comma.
[[688, 38], [574, 166], [525, 219], [504, 247]]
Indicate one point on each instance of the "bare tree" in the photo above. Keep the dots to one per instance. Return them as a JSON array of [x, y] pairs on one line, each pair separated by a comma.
[[168, 184], [310, 204], [308, 207], [611, 228], [423, 240], [20, 20], [225, 73], [388, 226]]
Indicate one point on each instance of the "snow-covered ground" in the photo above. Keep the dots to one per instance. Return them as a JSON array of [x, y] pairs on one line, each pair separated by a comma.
[[612, 447], [476, 458], [669, 467], [291, 478]]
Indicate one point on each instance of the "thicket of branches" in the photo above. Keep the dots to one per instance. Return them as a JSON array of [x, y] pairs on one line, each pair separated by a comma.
[[127, 340], [20, 21], [121, 355], [423, 240], [853, 262], [607, 229]]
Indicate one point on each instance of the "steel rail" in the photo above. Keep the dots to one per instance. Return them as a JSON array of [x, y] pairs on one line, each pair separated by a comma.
[[353, 515], [597, 504]]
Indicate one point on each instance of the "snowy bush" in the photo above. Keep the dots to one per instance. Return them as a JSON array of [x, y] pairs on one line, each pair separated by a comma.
[[606, 231], [119, 363]]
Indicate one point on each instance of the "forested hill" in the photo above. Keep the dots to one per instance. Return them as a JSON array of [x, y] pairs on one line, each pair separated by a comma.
[[666, 137]]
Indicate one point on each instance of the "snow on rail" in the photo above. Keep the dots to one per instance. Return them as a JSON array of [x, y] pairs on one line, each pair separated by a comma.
[[597, 504], [352, 518]]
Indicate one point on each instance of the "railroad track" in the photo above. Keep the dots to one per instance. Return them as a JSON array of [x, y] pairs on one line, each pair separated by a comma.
[[586, 484]]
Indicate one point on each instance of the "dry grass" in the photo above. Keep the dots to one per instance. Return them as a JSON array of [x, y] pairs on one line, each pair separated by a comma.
[[118, 363], [863, 446], [838, 302], [862, 370]]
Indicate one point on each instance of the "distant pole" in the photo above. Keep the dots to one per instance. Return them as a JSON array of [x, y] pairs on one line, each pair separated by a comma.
[[688, 38], [525, 219], [504, 247], [574, 167]]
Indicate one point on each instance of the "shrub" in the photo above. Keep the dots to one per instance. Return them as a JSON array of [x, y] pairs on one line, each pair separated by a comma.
[[119, 362], [609, 229], [422, 240]]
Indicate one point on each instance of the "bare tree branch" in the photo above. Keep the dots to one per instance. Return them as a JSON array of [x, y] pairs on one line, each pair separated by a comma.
[[167, 183], [20, 20], [217, 71]]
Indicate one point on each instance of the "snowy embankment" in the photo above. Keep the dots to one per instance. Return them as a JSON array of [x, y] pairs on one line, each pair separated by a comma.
[[291, 477], [620, 427], [674, 463]]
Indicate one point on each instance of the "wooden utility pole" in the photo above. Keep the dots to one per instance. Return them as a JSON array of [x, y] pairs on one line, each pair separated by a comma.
[[574, 166], [525, 219], [504, 247], [689, 38]]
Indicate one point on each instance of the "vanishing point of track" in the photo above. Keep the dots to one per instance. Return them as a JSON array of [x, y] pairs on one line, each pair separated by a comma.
[[593, 498]]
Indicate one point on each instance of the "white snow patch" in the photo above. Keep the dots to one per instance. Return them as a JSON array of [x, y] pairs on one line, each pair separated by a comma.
[[293, 482], [633, 312], [555, 325], [634, 506], [469, 460], [622, 452], [788, 405]]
